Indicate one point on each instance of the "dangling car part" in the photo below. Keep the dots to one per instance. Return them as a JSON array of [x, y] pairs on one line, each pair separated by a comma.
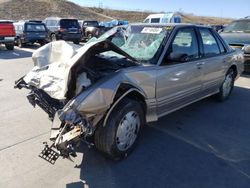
[[105, 92]]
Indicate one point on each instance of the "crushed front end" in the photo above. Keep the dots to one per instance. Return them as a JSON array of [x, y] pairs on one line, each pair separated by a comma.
[[68, 129]]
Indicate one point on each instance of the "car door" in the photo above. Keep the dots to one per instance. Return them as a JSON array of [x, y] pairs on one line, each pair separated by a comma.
[[179, 75], [214, 59]]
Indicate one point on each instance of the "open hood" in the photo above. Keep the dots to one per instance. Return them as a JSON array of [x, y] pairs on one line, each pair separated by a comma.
[[54, 61]]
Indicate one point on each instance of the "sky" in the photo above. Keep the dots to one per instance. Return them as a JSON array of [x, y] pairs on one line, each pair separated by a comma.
[[218, 8]]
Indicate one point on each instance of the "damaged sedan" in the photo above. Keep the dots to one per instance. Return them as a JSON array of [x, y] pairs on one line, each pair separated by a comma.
[[105, 92]]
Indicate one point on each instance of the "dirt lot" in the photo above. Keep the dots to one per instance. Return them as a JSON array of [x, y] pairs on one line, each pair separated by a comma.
[[203, 145]]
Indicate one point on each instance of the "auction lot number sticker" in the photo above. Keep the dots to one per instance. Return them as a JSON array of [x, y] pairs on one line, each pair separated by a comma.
[[152, 30]]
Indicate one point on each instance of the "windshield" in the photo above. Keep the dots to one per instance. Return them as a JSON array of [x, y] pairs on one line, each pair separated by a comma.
[[91, 23], [35, 27], [140, 42], [69, 23], [238, 26]]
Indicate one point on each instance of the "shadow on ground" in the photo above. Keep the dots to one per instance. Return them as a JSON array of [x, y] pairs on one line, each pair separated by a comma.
[[15, 54], [203, 145]]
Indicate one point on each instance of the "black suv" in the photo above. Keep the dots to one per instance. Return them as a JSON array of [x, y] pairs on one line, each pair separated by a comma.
[[237, 34], [64, 29], [30, 32]]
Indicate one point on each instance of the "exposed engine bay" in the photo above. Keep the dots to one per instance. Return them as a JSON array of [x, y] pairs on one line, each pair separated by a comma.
[[51, 90]]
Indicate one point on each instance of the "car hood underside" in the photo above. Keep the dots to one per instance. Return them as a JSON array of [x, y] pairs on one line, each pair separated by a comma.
[[55, 62]]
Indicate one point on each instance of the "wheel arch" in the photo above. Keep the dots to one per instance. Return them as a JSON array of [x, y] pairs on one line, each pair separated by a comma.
[[234, 68], [130, 91]]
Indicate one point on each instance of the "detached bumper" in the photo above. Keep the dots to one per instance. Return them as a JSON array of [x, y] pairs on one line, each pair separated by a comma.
[[68, 126]]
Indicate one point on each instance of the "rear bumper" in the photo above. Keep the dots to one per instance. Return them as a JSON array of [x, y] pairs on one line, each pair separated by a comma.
[[5, 40], [70, 37]]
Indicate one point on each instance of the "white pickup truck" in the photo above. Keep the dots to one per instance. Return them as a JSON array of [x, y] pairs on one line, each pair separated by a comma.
[[170, 17]]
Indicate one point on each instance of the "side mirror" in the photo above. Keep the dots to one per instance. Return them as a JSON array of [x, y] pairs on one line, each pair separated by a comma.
[[246, 49], [220, 31]]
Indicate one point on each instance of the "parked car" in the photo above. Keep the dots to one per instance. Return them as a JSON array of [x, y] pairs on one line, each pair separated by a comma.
[[169, 17], [217, 27], [7, 34], [92, 29], [29, 32], [237, 34], [64, 29], [107, 90]]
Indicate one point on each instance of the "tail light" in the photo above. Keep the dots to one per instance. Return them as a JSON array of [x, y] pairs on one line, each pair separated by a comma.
[[62, 29]]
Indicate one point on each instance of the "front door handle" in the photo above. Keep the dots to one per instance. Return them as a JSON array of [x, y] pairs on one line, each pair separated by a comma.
[[200, 64]]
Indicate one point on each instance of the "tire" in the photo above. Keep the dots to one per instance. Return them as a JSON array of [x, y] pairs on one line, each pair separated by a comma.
[[227, 86], [76, 42], [19, 43], [10, 46], [53, 37], [42, 43], [117, 140], [89, 36]]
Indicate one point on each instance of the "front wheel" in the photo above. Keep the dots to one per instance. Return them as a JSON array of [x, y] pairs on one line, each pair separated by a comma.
[[120, 135], [76, 42], [19, 43], [227, 86], [9, 46]]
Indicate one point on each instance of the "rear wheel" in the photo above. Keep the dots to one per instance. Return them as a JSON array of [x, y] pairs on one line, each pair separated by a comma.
[[120, 135], [53, 37], [9, 46], [227, 86]]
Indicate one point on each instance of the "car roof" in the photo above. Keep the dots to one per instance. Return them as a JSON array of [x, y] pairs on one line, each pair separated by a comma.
[[59, 18], [169, 25], [28, 22]]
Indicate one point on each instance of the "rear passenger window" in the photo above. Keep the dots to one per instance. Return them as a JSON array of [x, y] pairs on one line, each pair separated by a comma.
[[155, 20], [210, 45], [184, 47]]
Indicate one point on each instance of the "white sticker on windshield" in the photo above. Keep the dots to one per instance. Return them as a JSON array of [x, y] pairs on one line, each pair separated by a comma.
[[152, 30]]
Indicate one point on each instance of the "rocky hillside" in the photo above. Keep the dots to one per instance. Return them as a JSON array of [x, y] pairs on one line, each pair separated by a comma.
[[40, 9]]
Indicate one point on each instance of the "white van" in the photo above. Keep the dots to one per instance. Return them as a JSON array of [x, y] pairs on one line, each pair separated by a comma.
[[170, 17]]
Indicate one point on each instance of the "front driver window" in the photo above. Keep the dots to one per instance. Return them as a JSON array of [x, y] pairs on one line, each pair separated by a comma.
[[184, 47]]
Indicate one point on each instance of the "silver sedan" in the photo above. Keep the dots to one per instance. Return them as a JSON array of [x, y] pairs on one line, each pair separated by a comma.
[[107, 90]]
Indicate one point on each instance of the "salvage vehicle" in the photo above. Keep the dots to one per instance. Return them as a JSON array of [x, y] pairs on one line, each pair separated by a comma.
[[107, 90], [67, 29], [29, 32], [237, 34], [7, 34]]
